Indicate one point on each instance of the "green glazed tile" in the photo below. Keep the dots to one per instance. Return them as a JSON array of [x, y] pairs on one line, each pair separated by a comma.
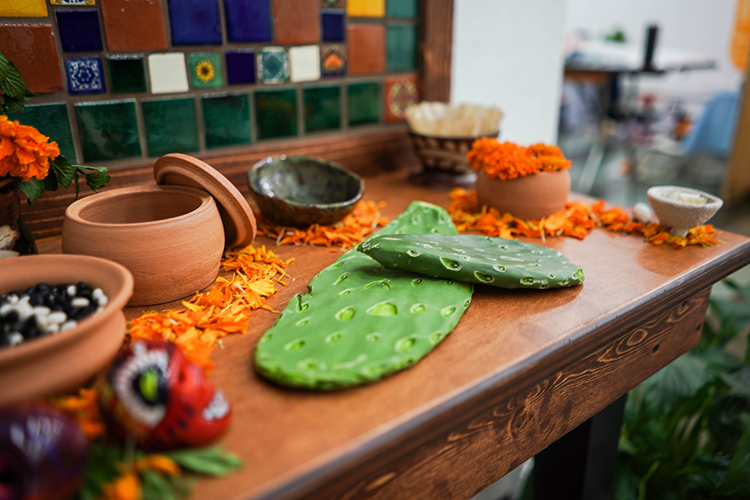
[[276, 113], [126, 74], [364, 103], [402, 8], [322, 108], [52, 121], [108, 130], [226, 119], [171, 126], [401, 47], [205, 70]]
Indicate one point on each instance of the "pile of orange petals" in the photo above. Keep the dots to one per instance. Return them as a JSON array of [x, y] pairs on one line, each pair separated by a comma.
[[351, 231], [577, 220], [225, 309], [84, 409]]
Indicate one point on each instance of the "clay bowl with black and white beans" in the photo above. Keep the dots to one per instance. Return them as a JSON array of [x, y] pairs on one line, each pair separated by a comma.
[[61, 321]]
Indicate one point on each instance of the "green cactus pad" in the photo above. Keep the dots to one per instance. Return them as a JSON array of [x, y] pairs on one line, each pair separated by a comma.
[[475, 259], [359, 322]]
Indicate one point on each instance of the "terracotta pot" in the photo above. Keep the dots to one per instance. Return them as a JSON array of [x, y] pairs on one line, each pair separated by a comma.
[[170, 237], [530, 197], [63, 361]]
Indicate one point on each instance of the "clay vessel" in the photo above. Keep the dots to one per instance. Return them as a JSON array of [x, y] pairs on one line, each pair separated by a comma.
[[530, 197], [55, 363], [301, 190], [170, 237]]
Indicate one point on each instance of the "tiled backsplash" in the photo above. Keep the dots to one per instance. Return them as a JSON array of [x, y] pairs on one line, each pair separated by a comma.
[[121, 80]]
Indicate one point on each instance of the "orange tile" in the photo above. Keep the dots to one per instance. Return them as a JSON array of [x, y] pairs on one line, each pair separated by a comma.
[[23, 8], [365, 8], [33, 50], [133, 26], [400, 93], [366, 49], [296, 22]]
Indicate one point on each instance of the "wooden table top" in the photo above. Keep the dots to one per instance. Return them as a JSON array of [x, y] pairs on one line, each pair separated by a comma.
[[500, 374]]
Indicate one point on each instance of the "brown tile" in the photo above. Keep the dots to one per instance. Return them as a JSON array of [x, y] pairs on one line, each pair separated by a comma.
[[130, 25], [296, 22], [33, 50], [366, 49], [400, 93]]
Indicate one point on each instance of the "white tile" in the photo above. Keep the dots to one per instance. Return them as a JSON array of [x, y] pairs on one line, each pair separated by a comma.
[[167, 73], [304, 63]]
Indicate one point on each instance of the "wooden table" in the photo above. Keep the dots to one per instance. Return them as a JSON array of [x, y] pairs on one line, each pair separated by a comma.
[[521, 369]]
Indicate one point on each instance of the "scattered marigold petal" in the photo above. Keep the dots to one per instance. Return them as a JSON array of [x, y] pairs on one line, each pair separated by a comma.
[[577, 220]]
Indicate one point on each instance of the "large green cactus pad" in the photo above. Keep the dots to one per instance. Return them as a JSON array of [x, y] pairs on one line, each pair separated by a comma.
[[359, 322], [475, 259]]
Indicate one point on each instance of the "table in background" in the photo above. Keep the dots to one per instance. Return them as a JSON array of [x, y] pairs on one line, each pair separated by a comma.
[[521, 369]]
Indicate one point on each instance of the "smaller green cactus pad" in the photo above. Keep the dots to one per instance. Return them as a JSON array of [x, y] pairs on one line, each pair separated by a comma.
[[475, 259]]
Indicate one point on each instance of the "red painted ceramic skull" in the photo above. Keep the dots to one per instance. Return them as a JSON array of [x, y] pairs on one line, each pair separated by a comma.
[[154, 394]]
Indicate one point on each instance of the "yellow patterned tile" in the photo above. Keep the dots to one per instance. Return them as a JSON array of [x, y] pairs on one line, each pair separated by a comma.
[[365, 8], [23, 8]]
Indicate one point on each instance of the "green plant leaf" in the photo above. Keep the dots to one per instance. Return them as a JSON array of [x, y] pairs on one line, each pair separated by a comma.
[[13, 104], [739, 380], [64, 171], [101, 468], [212, 461], [4, 67], [97, 180], [155, 487], [33, 189], [678, 380], [728, 417], [13, 85], [737, 479]]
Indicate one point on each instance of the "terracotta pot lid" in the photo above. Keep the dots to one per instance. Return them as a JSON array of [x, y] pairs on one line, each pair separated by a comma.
[[236, 214]]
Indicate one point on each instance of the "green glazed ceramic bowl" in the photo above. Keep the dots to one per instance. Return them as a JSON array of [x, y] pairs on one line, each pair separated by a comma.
[[301, 190]]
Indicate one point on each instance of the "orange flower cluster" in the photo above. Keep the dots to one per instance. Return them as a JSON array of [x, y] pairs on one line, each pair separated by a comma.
[[128, 485], [84, 409], [508, 160], [223, 310], [577, 220], [24, 152], [351, 231]]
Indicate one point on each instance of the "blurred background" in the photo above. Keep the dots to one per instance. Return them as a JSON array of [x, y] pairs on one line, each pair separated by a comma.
[[579, 73]]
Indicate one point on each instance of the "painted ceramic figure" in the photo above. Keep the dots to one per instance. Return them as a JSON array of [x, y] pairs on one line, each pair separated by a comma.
[[152, 393]]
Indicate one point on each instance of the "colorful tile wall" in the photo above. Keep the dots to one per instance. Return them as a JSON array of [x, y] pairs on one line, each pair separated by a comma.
[[33, 50], [195, 22], [366, 49], [132, 26], [171, 126], [79, 30], [23, 8], [226, 119], [126, 74], [276, 113], [364, 103], [248, 21], [127, 79], [322, 108], [108, 130]]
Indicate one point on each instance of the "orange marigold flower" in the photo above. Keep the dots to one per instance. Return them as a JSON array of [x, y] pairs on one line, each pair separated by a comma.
[[24, 152], [507, 160]]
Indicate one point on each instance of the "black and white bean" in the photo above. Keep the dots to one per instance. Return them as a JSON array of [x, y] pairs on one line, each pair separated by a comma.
[[45, 310]]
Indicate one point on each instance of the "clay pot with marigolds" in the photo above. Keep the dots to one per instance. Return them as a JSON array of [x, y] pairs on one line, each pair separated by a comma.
[[529, 197]]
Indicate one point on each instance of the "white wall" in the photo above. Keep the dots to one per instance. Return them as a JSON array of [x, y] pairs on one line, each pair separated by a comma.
[[700, 26], [509, 53]]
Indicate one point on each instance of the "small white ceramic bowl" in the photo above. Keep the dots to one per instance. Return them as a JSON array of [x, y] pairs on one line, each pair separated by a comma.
[[682, 208]]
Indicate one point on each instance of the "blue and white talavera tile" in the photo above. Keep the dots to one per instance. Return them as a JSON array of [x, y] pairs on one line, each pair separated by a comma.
[[85, 75]]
